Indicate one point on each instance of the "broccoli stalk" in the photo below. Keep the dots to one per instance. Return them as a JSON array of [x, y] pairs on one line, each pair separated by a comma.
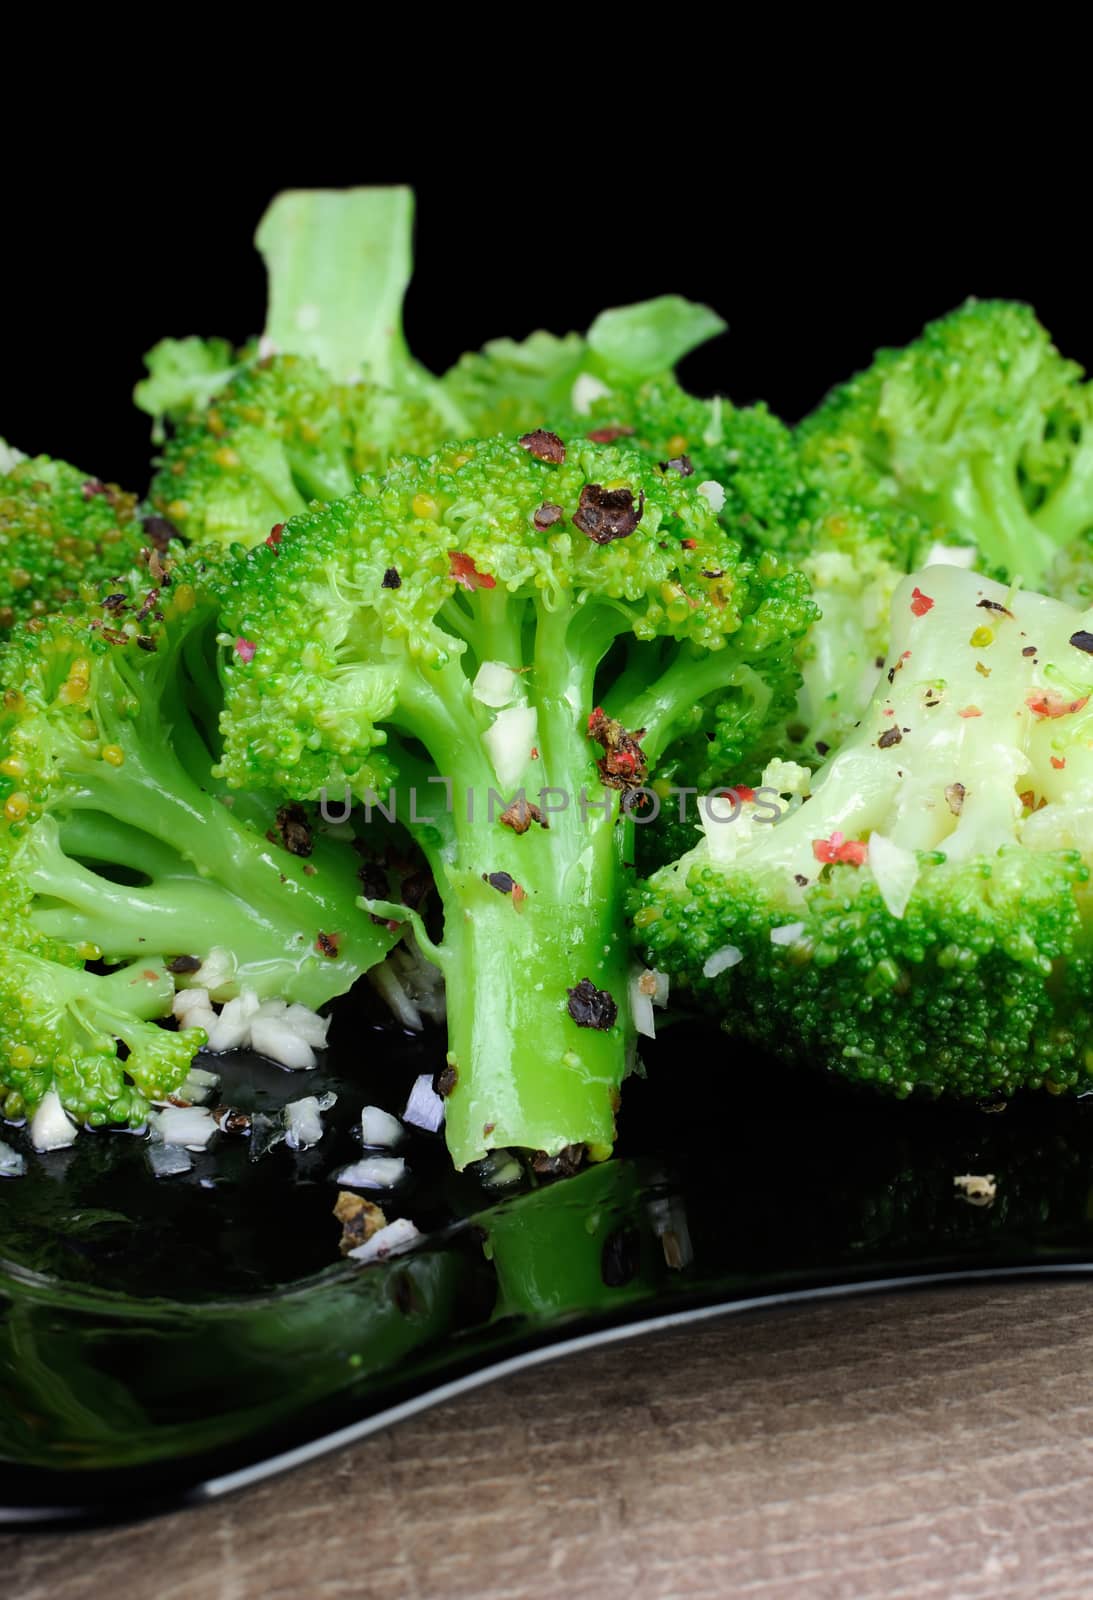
[[330, 391], [455, 620], [923, 919]]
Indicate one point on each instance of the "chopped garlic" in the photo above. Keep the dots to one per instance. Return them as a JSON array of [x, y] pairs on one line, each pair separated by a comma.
[[713, 493]]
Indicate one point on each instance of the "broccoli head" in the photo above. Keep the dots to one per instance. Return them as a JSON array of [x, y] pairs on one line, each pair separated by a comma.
[[62, 536], [116, 847], [923, 919], [503, 641], [979, 427]]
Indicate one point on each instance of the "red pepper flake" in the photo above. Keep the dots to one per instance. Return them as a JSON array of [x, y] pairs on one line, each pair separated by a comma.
[[607, 514], [1058, 762], [920, 603], [624, 764], [840, 849], [464, 571], [993, 605], [245, 649], [689, 544], [535, 752], [327, 944], [743, 792], [150, 974], [273, 537], [487, 1129], [519, 895], [544, 446], [970, 711], [1046, 704], [609, 435]]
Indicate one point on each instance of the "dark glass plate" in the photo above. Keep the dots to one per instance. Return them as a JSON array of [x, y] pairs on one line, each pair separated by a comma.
[[163, 1340]]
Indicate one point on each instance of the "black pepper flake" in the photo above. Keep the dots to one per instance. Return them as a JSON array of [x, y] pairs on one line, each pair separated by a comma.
[[115, 602], [800, 880], [608, 514], [822, 747], [954, 796], [391, 579], [184, 964], [229, 1119], [503, 882], [149, 605], [591, 1007], [520, 815], [681, 464], [92, 487], [146, 642], [1082, 641], [446, 1080], [160, 530], [878, 662], [993, 605], [547, 515], [624, 764], [889, 737], [569, 1160], [720, 573], [374, 881], [620, 1259], [327, 945], [1029, 650], [294, 830], [544, 446], [609, 434]]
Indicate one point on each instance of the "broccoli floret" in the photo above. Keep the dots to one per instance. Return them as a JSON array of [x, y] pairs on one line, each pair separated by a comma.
[[922, 920], [328, 392], [280, 435], [114, 842], [526, 619], [60, 1028], [62, 536], [979, 427]]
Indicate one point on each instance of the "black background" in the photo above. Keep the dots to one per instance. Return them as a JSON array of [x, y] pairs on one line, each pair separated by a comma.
[[812, 274]]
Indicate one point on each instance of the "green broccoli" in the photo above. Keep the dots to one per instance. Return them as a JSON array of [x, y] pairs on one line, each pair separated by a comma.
[[979, 427], [534, 622], [62, 535], [115, 845], [922, 919], [329, 391]]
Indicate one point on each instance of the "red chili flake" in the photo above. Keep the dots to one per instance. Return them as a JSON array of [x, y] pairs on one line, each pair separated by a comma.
[[150, 974], [293, 831], [970, 711], [519, 895], [607, 514], [547, 515], [464, 571], [273, 537], [544, 446], [920, 603], [624, 764], [245, 649], [1058, 762], [743, 792], [609, 435], [840, 849], [689, 544], [327, 944], [1046, 704], [487, 1129], [535, 752]]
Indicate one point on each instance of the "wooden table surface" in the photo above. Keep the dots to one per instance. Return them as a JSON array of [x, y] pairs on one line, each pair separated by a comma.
[[935, 1444]]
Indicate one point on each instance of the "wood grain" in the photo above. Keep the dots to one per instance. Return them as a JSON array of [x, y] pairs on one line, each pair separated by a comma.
[[930, 1445]]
